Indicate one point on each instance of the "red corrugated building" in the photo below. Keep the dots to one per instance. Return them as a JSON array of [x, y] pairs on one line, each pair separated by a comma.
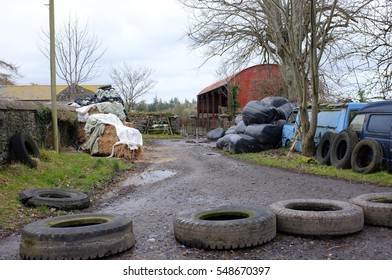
[[254, 83]]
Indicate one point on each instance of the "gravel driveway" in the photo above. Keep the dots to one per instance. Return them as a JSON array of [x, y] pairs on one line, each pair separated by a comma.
[[176, 175]]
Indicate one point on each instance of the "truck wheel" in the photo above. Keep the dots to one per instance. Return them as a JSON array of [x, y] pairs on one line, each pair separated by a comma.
[[317, 217], [377, 208], [225, 227], [323, 150], [24, 149], [367, 156], [76, 237], [57, 198], [342, 148]]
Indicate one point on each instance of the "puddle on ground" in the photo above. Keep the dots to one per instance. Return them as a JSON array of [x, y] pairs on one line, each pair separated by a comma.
[[212, 154], [148, 177]]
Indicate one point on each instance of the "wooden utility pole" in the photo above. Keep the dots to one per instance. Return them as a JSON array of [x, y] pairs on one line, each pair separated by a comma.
[[53, 76]]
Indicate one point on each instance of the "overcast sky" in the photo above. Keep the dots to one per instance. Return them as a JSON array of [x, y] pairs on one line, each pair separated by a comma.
[[146, 33]]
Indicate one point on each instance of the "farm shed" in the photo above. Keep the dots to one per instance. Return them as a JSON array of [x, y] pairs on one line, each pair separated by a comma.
[[254, 83]]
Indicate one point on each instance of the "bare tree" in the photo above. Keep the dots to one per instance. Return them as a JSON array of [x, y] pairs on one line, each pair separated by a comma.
[[77, 53], [132, 83], [294, 33], [371, 45], [8, 72]]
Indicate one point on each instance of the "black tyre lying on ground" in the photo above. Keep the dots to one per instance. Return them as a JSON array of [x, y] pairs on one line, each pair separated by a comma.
[[225, 227], [367, 156], [56, 198], [377, 208], [81, 236], [317, 217], [24, 148], [323, 151], [342, 149]]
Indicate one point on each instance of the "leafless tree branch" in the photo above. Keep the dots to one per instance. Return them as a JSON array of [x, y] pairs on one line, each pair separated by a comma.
[[132, 83], [77, 52], [8, 72]]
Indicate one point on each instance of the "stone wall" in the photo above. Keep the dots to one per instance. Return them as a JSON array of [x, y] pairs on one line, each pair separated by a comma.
[[143, 121], [35, 119]]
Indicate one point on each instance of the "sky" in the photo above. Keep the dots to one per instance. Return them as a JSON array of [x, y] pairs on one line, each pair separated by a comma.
[[143, 33]]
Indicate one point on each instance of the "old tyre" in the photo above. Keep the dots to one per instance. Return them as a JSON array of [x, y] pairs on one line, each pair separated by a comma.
[[323, 150], [224, 227], [80, 236], [342, 148], [377, 208], [57, 198], [318, 217], [24, 149], [367, 156]]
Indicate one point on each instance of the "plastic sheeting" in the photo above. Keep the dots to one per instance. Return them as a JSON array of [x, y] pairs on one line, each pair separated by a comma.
[[285, 110], [126, 135], [105, 107], [257, 112], [259, 127], [238, 119], [242, 143], [223, 142], [231, 130], [240, 128], [216, 133], [275, 101], [267, 133]]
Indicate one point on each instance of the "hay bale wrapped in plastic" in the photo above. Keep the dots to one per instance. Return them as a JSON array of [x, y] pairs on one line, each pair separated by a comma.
[[257, 112], [216, 133], [285, 110], [240, 128], [223, 142], [275, 101], [269, 133], [231, 130], [242, 143]]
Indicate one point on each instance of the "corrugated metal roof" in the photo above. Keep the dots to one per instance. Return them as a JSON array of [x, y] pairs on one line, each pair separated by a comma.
[[225, 81], [216, 85]]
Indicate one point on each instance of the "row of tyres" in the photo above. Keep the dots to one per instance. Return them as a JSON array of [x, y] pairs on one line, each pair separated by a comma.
[[258, 128], [348, 135]]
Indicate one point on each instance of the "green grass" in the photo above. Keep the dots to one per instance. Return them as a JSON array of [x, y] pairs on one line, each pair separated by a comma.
[[72, 171], [282, 158], [81, 172], [162, 136]]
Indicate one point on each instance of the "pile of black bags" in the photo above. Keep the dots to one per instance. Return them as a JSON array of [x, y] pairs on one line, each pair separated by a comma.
[[258, 128]]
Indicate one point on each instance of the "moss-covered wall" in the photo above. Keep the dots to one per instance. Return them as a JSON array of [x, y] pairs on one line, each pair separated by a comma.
[[35, 118]]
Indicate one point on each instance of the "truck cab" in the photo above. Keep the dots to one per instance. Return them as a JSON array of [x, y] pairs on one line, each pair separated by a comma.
[[332, 117], [374, 121]]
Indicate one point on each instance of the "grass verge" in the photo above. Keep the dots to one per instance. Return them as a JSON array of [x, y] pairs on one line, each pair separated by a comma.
[[162, 136], [72, 171], [282, 158]]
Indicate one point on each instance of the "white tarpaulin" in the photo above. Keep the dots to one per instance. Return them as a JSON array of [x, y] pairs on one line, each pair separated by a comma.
[[126, 135]]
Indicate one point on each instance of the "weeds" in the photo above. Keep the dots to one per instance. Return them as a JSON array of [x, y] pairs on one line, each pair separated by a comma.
[[73, 171], [282, 158]]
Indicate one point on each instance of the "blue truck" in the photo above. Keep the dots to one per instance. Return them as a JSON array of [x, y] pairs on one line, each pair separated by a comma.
[[332, 118], [373, 127]]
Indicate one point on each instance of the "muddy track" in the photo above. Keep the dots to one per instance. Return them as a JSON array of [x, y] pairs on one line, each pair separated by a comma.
[[175, 175]]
